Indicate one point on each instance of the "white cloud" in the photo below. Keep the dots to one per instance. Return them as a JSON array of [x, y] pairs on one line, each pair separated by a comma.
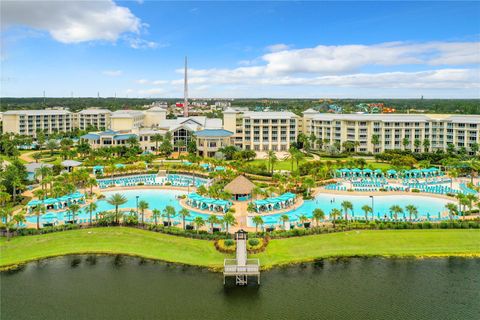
[[72, 21], [278, 47], [112, 73], [159, 82], [138, 43], [142, 81]]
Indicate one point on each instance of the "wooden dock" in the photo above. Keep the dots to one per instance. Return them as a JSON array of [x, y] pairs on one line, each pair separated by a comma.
[[241, 268]]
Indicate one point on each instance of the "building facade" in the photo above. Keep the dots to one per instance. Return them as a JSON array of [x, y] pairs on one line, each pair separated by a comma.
[[262, 131], [375, 133], [29, 122], [96, 118]]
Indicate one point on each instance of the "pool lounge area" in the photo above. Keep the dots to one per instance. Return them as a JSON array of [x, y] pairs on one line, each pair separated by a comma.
[[429, 208], [176, 180]]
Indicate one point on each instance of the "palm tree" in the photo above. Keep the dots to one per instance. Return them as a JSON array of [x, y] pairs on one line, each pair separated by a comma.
[[39, 210], [258, 222], [292, 152], [73, 208], [92, 206], [452, 210], [91, 182], [395, 210], [229, 220], [318, 215], [470, 198], [184, 213], [346, 205], [199, 222], [213, 219], [308, 183], [156, 138], [19, 218], [6, 214], [334, 214], [156, 214], [168, 212], [284, 218], [412, 211], [303, 218], [272, 158], [367, 209], [143, 205], [116, 200]]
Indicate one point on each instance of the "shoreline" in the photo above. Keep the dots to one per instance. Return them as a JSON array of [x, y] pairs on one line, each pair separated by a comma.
[[414, 243], [218, 269]]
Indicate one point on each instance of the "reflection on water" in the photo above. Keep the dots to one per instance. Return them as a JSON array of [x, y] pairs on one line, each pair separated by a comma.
[[120, 287]]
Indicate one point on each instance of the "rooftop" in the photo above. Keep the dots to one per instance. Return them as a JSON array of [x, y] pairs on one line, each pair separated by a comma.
[[269, 115], [240, 185], [95, 111], [214, 133], [37, 112]]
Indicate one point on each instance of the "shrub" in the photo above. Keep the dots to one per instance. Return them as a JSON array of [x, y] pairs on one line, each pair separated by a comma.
[[229, 242], [253, 242], [415, 190]]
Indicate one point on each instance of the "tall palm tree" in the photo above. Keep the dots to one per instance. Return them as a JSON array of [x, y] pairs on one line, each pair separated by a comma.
[[213, 219], [284, 218], [367, 209], [334, 214], [157, 138], [258, 222], [199, 222], [396, 210], [169, 212], [6, 213], [39, 210], [452, 210], [318, 215], [184, 213], [91, 182], [229, 220], [156, 214], [272, 158], [471, 198], [346, 205], [92, 206], [73, 208], [412, 211], [143, 205], [116, 200]]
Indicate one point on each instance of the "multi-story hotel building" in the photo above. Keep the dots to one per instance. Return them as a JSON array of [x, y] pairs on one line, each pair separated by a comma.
[[262, 131], [96, 118], [29, 122], [376, 133]]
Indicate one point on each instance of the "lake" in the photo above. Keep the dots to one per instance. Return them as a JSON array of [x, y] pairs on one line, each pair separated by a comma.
[[118, 287]]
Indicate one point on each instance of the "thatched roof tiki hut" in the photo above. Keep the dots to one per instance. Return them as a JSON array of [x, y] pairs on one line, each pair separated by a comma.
[[241, 188]]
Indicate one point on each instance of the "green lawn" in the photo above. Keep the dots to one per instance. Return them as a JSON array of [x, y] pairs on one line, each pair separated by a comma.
[[118, 240], [279, 165], [400, 243]]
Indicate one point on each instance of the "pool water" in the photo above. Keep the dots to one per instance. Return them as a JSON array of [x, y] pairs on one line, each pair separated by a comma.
[[156, 198], [381, 204]]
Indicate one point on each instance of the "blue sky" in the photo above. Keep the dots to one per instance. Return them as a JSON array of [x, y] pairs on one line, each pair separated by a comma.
[[241, 49]]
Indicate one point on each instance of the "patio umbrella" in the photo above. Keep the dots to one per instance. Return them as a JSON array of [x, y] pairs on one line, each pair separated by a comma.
[[428, 216]]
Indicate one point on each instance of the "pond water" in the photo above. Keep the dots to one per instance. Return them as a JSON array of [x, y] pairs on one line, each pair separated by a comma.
[[117, 287], [427, 206]]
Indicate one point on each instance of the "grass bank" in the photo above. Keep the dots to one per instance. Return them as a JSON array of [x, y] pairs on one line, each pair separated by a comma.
[[130, 241]]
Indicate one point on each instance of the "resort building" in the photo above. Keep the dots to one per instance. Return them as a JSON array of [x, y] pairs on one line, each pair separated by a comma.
[[262, 131], [93, 118], [376, 133], [126, 120], [29, 122], [210, 141]]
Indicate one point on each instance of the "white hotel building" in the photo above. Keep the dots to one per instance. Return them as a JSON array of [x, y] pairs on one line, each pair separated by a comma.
[[391, 129], [262, 131], [258, 131]]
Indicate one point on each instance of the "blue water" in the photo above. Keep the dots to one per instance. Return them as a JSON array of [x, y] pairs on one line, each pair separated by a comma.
[[381, 204], [156, 198]]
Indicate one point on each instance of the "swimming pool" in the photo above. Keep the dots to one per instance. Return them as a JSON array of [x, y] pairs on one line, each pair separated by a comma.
[[156, 198], [427, 206]]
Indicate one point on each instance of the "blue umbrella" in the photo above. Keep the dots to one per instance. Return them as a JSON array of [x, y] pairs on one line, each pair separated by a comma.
[[428, 216]]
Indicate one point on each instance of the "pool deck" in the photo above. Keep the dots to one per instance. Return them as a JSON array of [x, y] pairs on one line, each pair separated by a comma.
[[380, 193]]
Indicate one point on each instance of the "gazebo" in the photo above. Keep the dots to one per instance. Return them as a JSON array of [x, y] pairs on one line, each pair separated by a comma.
[[57, 203], [277, 203], [98, 170], [70, 164], [241, 188], [202, 203]]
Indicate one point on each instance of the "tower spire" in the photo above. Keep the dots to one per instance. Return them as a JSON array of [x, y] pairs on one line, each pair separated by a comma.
[[185, 91]]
